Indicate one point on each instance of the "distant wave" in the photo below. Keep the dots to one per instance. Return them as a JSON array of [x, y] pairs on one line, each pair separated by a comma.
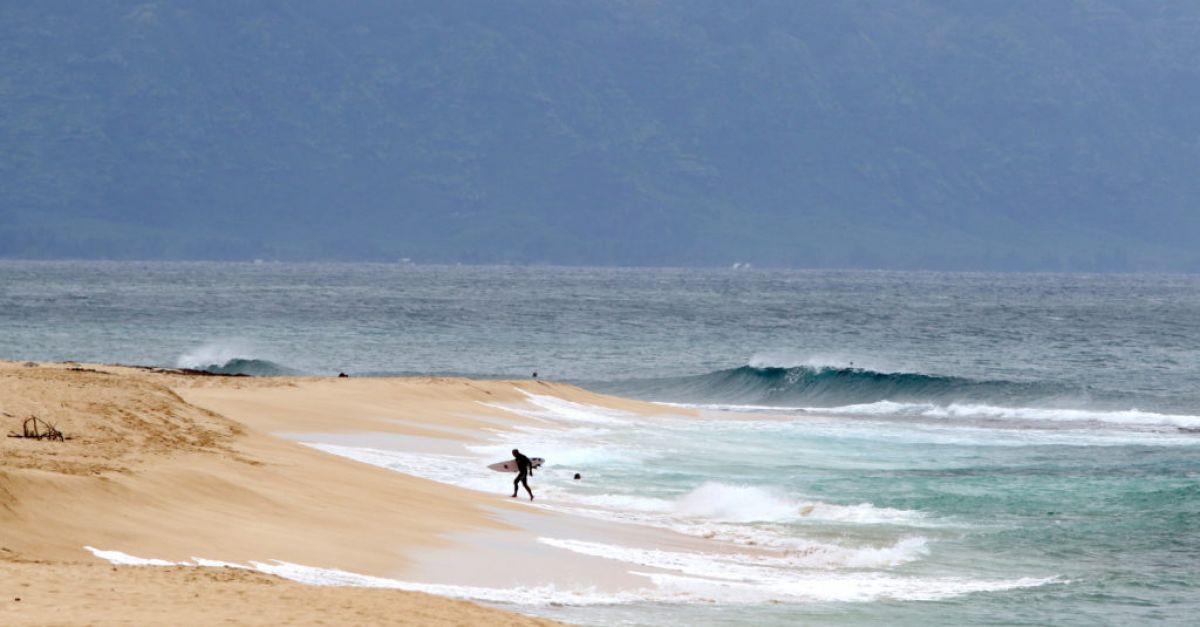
[[829, 386], [231, 358], [832, 390], [252, 367]]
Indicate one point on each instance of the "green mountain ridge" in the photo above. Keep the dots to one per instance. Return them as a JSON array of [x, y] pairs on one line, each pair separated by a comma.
[[990, 135]]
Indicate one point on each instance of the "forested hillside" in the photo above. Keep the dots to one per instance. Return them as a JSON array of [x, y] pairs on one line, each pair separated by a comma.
[[990, 134]]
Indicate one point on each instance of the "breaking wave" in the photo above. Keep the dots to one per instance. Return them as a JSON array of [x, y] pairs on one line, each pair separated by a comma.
[[829, 386], [750, 504], [229, 358], [252, 367]]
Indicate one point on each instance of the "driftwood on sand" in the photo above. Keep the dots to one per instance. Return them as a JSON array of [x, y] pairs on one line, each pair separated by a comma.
[[37, 429]]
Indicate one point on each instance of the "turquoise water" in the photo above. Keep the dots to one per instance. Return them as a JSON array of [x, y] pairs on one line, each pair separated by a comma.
[[922, 448], [1098, 522]]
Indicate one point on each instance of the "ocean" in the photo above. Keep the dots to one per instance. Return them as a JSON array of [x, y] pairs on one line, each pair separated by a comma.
[[912, 448]]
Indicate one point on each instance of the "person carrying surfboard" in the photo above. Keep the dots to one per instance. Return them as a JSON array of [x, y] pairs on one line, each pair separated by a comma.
[[524, 468]]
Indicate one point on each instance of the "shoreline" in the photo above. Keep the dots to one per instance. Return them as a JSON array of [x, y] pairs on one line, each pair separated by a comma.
[[345, 484]]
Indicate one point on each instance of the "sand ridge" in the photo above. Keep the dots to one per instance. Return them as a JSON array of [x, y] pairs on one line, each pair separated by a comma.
[[410, 405]]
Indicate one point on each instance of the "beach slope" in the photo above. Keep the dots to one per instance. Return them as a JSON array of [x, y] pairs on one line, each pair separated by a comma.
[[145, 472]]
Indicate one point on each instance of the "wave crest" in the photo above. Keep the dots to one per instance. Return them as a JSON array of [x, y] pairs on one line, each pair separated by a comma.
[[832, 386], [230, 358], [252, 367]]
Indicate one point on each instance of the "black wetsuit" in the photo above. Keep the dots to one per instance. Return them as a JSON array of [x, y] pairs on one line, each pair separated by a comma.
[[524, 467]]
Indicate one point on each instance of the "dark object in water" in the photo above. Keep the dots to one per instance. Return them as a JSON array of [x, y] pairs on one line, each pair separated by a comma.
[[35, 428], [189, 372], [535, 374], [342, 375], [578, 476]]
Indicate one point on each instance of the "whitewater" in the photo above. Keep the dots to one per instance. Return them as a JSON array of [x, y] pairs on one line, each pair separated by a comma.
[[897, 448]]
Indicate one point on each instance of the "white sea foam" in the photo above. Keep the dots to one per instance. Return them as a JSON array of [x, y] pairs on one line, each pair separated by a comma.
[[526, 595], [312, 575], [554, 409], [695, 518], [860, 588], [572, 448], [747, 504], [730, 506], [459, 470], [218, 353], [764, 566], [1019, 434], [124, 559], [750, 579], [1132, 417], [734, 583], [713, 566], [903, 551], [727, 503], [966, 410], [623, 502], [758, 409], [200, 561]]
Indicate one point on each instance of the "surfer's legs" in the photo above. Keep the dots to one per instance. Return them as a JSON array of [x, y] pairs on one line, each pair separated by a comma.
[[519, 481]]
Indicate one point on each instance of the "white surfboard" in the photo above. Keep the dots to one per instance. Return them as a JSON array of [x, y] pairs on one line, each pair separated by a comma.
[[511, 465]]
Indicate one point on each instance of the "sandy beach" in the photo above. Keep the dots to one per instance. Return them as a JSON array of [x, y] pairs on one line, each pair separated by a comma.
[[174, 466], [42, 592]]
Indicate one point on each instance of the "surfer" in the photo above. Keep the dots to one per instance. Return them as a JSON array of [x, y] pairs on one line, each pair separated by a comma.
[[524, 468]]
